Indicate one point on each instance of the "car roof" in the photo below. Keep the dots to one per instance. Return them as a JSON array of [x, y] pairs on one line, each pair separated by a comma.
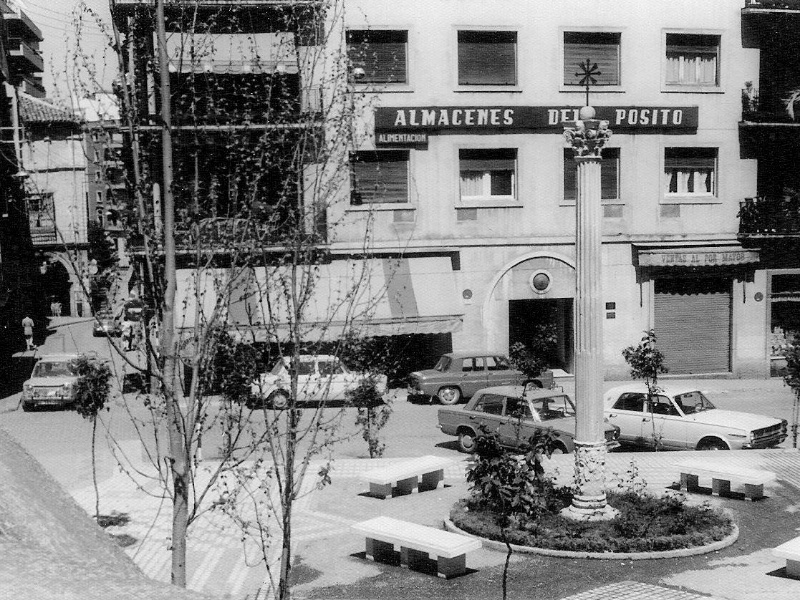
[[464, 354], [311, 357], [57, 357], [532, 393], [672, 389]]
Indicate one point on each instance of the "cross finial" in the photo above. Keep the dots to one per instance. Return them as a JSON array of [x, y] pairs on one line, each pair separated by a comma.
[[587, 72]]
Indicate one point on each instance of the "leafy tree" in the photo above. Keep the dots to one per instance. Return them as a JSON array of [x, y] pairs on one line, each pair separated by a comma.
[[92, 391], [372, 414], [647, 363]]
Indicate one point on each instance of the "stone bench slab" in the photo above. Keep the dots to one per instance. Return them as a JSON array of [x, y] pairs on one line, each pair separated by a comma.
[[722, 476], [790, 551], [423, 473]]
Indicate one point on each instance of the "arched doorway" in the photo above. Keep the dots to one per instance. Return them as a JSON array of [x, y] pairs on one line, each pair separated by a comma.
[[56, 285], [531, 301]]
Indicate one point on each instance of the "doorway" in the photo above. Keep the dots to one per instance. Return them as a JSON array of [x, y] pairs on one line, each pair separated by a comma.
[[546, 328]]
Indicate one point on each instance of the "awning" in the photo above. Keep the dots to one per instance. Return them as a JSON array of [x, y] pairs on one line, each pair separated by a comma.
[[695, 256], [375, 297], [232, 53]]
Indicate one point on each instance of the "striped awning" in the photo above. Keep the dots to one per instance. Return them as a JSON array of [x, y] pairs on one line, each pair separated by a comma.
[[375, 297]]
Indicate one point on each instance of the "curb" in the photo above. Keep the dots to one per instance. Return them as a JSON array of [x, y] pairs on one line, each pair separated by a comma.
[[679, 553]]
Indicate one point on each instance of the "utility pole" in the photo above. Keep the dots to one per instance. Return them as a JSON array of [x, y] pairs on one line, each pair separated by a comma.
[[179, 461]]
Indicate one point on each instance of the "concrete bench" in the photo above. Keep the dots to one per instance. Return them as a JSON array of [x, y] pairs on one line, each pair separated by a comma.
[[417, 542], [423, 473], [722, 476], [791, 552]]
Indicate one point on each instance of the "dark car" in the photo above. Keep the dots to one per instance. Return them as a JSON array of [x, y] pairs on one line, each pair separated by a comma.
[[459, 375], [514, 414]]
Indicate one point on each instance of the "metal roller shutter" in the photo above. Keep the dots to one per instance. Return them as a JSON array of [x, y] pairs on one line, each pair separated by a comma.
[[693, 324]]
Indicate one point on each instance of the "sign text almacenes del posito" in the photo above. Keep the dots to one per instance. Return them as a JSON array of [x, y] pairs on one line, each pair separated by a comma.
[[412, 125]]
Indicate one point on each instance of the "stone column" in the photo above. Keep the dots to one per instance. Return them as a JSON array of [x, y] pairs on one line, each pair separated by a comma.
[[589, 503]]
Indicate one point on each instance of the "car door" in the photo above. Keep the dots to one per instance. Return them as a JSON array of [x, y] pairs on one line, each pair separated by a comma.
[[488, 415], [473, 375], [335, 380], [668, 426], [308, 382], [499, 372], [518, 422], [628, 413]]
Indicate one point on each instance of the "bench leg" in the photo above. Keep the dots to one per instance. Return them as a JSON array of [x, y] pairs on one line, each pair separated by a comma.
[[383, 491], [409, 557], [378, 550], [689, 482], [793, 568], [720, 487], [450, 567], [406, 486], [430, 481], [753, 491]]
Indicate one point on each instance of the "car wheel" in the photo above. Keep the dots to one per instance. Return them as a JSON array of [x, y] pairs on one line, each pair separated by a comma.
[[279, 399], [466, 441], [712, 444], [27, 407], [449, 395], [558, 449]]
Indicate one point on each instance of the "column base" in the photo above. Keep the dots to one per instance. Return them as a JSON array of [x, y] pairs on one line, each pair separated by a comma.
[[589, 513]]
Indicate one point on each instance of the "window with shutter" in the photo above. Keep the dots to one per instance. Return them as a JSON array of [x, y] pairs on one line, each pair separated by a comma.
[[690, 171], [381, 54], [379, 177], [598, 47], [489, 173], [609, 175], [487, 58], [692, 59]]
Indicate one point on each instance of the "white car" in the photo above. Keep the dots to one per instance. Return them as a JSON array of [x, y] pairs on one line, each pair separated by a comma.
[[682, 418], [52, 382], [320, 378]]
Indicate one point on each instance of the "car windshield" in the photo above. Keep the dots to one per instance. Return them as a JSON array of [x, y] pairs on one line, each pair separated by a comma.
[[443, 364], [693, 402], [330, 367], [53, 369], [553, 407]]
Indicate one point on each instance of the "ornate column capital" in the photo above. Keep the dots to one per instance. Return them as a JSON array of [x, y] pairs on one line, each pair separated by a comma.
[[588, 137]]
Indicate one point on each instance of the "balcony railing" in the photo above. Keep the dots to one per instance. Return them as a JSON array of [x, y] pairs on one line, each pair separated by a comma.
[[770, 217], [756, 110]]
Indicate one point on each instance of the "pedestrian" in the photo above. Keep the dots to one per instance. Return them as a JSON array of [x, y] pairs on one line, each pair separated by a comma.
[[57, 306], [27, 330], [127, 334], [53, 308]]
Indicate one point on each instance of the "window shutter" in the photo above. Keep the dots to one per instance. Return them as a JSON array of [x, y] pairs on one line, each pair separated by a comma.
[[380, 177], [382, 55], [487, 58], [600, 48], [609, 175]]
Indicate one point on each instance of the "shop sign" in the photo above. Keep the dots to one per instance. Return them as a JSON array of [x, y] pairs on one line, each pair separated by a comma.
[[696, 258], [392, 121]]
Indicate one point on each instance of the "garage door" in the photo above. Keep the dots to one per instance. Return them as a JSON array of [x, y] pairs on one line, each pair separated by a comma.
[[693, 324]]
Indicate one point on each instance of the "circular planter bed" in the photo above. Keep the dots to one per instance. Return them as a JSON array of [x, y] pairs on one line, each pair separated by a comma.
[[647, 526]]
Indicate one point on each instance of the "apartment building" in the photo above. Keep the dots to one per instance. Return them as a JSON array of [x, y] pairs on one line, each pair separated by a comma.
[[465, 162]]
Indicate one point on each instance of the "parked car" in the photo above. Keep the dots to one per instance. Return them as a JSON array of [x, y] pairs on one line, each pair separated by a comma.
[[459, 375], [514, 413], [106, 324], [319, 377], [682, 418], [52, 382]]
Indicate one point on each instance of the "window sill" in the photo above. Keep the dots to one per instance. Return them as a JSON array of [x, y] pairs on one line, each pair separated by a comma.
[[383, 88], [699, 199], [488, 203], [678, 88], [367, 207], [492, 89], [603, 202], [605, 89]]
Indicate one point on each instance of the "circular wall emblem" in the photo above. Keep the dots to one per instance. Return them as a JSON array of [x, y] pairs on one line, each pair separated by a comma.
[[466, 294], [758, 297], [540, 281]]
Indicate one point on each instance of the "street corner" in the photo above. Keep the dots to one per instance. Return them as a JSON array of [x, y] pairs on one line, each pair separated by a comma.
[[10, 403]]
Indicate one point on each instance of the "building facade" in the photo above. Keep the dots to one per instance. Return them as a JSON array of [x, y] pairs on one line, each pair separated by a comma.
[[465, 158]]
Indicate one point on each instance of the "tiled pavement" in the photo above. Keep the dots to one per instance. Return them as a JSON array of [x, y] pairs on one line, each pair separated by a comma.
[[220, 563]]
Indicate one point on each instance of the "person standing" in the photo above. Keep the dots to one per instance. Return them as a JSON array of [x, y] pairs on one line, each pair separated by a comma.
[[27, 331]]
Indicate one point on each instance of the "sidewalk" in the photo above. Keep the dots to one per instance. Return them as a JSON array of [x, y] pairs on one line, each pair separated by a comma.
[[329, 556]]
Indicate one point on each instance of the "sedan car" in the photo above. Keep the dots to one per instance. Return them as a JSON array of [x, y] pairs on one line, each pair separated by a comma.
[[106, 324], [459, 375], [52, 382], [319, 378], [514, 413], [682, 418]]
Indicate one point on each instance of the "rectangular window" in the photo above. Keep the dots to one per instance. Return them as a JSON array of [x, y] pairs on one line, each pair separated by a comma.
[[488, 173], [599, 48], [487, 58], [609, 175], [690, 171], [377, 56], [692, 59], [379, 177]]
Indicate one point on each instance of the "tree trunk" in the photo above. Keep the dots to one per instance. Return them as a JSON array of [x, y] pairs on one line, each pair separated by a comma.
[[94, 470], [287, 500]]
